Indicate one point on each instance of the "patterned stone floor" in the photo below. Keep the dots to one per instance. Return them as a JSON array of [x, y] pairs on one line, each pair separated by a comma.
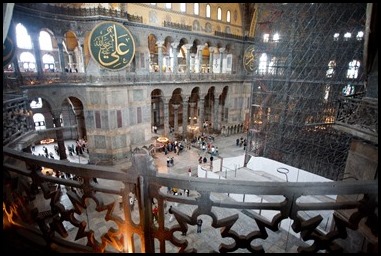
[[277, 242]]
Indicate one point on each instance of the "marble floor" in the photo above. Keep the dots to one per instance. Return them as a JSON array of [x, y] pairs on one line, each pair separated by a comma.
[[277, 242]]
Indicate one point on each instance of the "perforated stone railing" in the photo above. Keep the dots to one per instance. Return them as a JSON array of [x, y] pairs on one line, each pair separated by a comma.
[[86, 215]]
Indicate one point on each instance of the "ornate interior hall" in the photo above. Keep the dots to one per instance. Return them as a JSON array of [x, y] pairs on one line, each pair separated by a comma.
[[259, 119]]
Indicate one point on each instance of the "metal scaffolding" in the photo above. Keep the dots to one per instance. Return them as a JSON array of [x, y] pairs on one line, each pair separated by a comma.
[[299, 75]]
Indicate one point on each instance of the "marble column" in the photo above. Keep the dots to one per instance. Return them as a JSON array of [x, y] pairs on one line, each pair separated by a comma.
[[176, 117], [61, 54], [188, 46], [215, 113], [199, 56], [220, 115], [192, 112], [221, 50], [174, 51], [35, 35], [166, 116], [211, 52], [185, 118], [201, 117], [160, 55], [17, 68], [81, 129], [59, 134], [81, 63]]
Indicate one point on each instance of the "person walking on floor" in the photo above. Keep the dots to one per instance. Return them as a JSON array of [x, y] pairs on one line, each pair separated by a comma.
[[199, 224], [190, 172], [171, 213]]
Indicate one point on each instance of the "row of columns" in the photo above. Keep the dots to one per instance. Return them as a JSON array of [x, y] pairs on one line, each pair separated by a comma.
[[188, 56], [216, 115], [35, 35], [80, 61]]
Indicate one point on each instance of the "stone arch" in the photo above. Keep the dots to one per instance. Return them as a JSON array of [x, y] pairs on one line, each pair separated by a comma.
[[157, 108], [73, 112], [176, 109]]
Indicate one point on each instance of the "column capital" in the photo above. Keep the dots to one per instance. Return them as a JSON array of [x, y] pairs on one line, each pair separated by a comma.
[[200, 47], [175, 44], [221, 50], [165, 99], [34, 32], [175, 106], [56, 112], [59, 39], [212, 49], [186, 98], [188, 46], [81, 40], [159, 43]]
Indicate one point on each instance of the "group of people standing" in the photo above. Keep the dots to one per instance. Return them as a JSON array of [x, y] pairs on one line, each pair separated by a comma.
[[241, 142]]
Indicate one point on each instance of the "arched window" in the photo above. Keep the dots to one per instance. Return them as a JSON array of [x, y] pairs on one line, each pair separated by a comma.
[[36, 104], [347, 36], [348, 90], [262, 64], [360, 35], [228, 16], [183, 7], [39, 121], [196, 9], [27, 62], [353, 69], [23, 39], [336, 37], [48, 62], [331, 68], [272, 66], [266, 38], [276, 37], [208, 11], [219, 13], [45, 41]]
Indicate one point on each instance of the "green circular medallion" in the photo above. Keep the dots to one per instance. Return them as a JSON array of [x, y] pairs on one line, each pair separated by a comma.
[[248, 59], [111, 45], [8, 51]]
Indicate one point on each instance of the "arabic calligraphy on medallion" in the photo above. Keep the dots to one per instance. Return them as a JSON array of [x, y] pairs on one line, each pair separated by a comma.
[[112, 45], [8, 51], [248, 59]]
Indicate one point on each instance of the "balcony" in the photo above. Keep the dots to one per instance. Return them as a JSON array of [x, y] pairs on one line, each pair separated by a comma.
[[12, 82], [135, 230], [358, 117]]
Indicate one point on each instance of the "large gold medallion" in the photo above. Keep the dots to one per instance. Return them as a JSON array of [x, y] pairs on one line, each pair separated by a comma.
[[248, 59], [8, 51], [112, 45]]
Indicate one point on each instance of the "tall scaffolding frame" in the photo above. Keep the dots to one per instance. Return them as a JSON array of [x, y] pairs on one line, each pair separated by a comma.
[[306, 56]]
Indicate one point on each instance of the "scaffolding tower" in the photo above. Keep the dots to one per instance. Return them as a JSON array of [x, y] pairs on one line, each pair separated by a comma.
[[307, 55]]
